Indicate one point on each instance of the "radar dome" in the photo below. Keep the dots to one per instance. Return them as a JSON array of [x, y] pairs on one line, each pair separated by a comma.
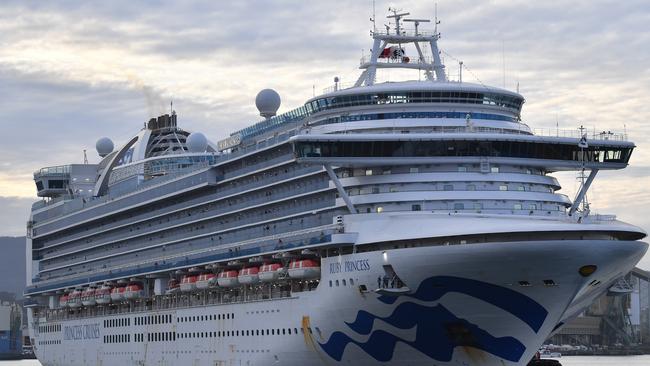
[[267, 102], [196, 142], [104, 146]]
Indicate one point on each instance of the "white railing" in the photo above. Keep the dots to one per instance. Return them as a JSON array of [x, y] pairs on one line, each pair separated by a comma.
[[337, 86], [403, 60], [575, 133], [405, 33]]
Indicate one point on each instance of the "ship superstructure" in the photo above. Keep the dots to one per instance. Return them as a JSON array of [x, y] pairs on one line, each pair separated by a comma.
[[401, 222]]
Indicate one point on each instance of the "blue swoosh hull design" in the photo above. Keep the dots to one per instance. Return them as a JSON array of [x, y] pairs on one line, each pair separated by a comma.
[[438, 330], [519, 305]]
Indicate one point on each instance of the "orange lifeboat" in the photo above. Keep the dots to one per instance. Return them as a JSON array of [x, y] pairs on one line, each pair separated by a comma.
[[133, 291], [188, 283], [88, 297], [117, 293], [304, 269], [103, 295], [249, 275], [206, 280], [271, 272], [63, 300], [74, 300], [228, 278], [173, 286]]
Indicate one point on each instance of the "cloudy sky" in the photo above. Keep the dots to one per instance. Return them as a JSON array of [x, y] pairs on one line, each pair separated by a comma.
[[74, 71]]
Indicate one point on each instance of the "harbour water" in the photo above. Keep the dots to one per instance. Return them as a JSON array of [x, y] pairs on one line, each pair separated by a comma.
[[565, 361]]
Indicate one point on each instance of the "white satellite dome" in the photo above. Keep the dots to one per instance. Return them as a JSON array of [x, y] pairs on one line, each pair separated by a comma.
[[267, 102], [104, 146], [196, 142]]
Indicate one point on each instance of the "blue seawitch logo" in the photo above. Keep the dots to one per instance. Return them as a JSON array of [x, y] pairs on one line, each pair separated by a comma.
[[439, 331]]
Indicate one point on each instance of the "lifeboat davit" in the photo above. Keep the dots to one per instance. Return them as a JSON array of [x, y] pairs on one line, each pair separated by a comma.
[[133, 291], [63, 300], [188, 283], [249, 275], [206, 280], [74, 300], [271, 272], [103, 295], [173, 286], [228, 278], [117, 293], [88, 297], [304, 269]]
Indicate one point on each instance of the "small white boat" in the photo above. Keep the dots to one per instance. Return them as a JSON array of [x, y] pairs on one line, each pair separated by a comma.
[[188, 282], [228, 278], [271, 272], [249, 275], [304, 269], [88, 297], [63, 300], [133, 291], [173, 286], [103, 295], [206, 280], [117, 293], [545, 353], [74, 300]]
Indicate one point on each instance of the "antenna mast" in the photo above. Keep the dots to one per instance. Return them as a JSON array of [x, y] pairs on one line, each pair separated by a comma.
[[435, 28], [387, 51], [374, 17], [503, 59], [397, 17]]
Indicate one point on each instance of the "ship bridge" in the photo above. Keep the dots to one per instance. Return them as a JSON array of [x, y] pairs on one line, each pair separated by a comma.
[[550, 153]]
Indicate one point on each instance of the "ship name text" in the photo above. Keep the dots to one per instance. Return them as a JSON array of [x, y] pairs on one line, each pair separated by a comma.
[[350, 266], [79, 332]]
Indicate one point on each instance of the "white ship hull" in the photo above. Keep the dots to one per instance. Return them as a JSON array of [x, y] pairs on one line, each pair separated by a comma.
[[466, 307]]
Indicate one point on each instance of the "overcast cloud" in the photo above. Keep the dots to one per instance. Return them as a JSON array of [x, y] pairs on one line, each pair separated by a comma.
[[71, 72]]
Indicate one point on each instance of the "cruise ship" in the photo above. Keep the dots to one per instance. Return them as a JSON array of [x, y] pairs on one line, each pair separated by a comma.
[[411, 222]]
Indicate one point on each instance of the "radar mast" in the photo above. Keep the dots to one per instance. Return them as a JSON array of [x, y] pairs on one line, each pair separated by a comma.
[[387, 51]]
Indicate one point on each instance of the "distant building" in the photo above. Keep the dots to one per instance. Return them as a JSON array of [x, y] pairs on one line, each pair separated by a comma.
[[620, 317]]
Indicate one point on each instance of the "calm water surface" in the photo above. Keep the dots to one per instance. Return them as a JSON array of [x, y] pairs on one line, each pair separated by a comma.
[[566, 361]]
